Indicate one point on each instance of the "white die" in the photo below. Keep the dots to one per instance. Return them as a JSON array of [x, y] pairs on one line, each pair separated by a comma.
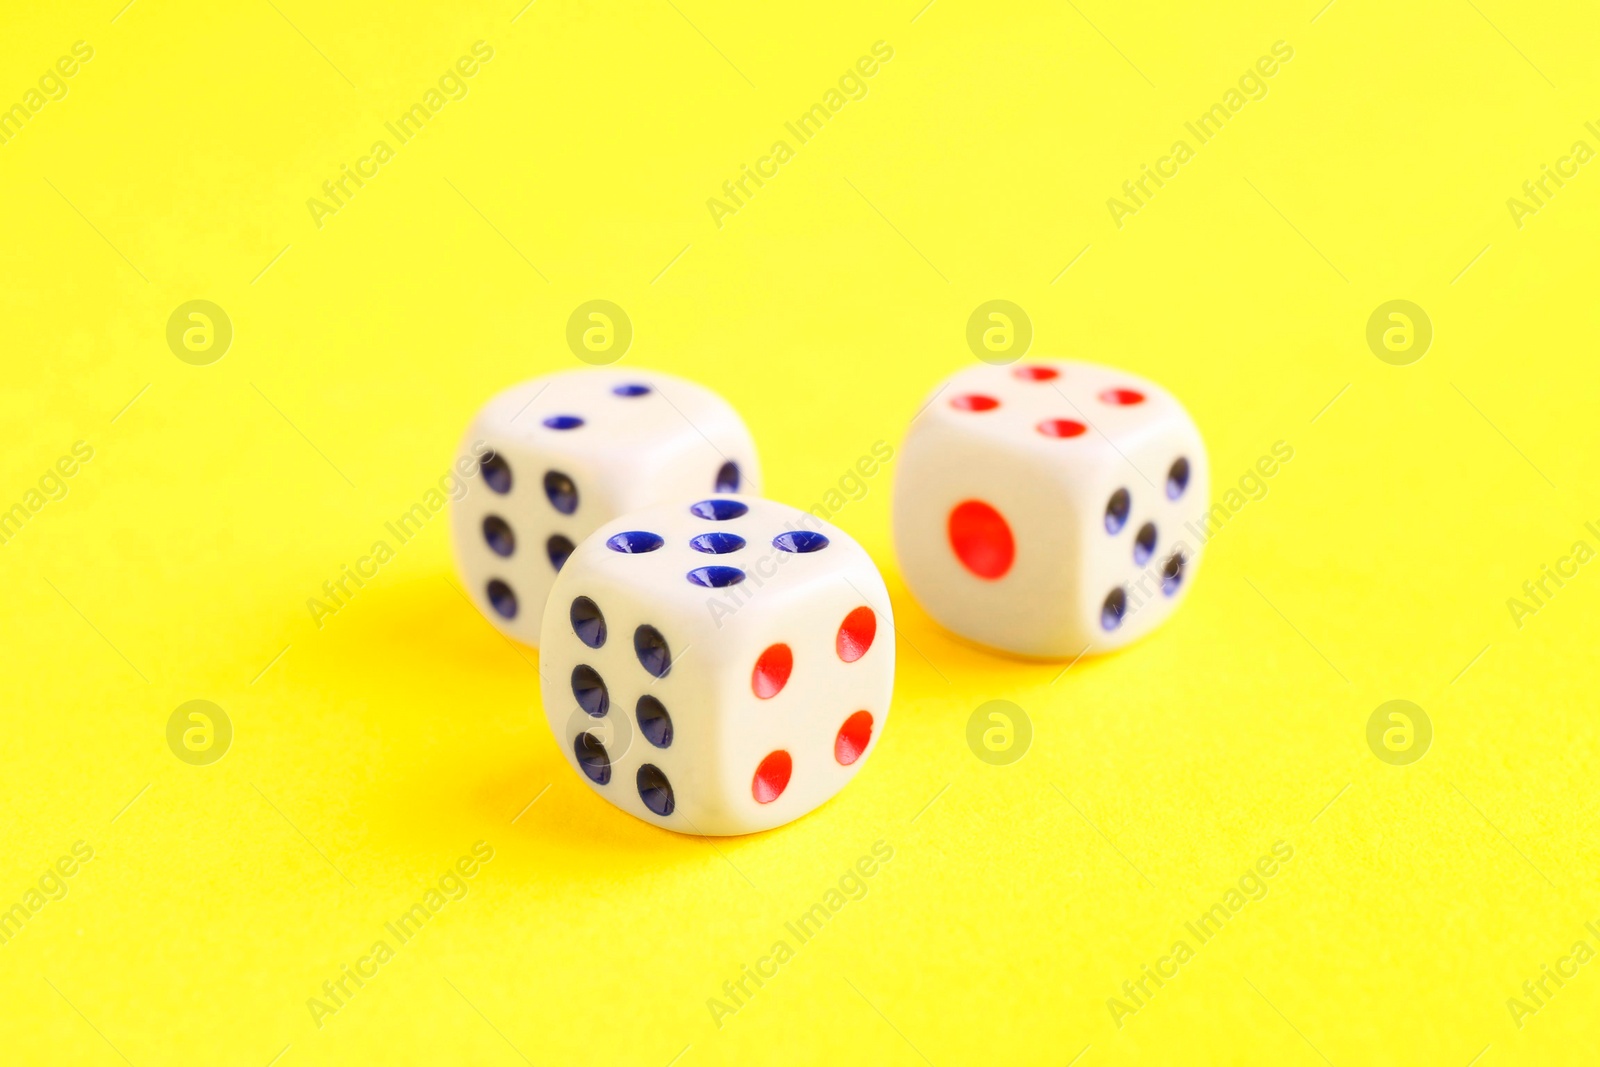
[[717, 666], [561, 454], [1050, 508]]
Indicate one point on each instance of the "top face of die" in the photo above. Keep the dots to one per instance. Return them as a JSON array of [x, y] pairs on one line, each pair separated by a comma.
[[643, 418], [1040, 405], [701, 561]]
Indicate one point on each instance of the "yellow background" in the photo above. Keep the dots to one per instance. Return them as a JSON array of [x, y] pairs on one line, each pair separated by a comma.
[[375, 751]]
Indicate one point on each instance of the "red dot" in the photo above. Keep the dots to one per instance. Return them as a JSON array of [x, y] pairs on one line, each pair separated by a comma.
[[856, 634], [772, 777], [1122, 397], [853, 738], [981, 539], [1035, 372], [1061, 428], [772, 671], [974, 402]]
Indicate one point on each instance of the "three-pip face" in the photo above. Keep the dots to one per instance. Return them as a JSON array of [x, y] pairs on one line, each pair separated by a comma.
[[1050, 508], [717, 666], [560, 455]]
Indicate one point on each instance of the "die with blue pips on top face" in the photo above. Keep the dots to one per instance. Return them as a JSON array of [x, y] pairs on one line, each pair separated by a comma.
[[559, 455], [719, 665]]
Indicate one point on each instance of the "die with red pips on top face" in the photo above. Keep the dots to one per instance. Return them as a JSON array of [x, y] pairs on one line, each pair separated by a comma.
[[1051, 508], [717, 666], [559, 455]]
